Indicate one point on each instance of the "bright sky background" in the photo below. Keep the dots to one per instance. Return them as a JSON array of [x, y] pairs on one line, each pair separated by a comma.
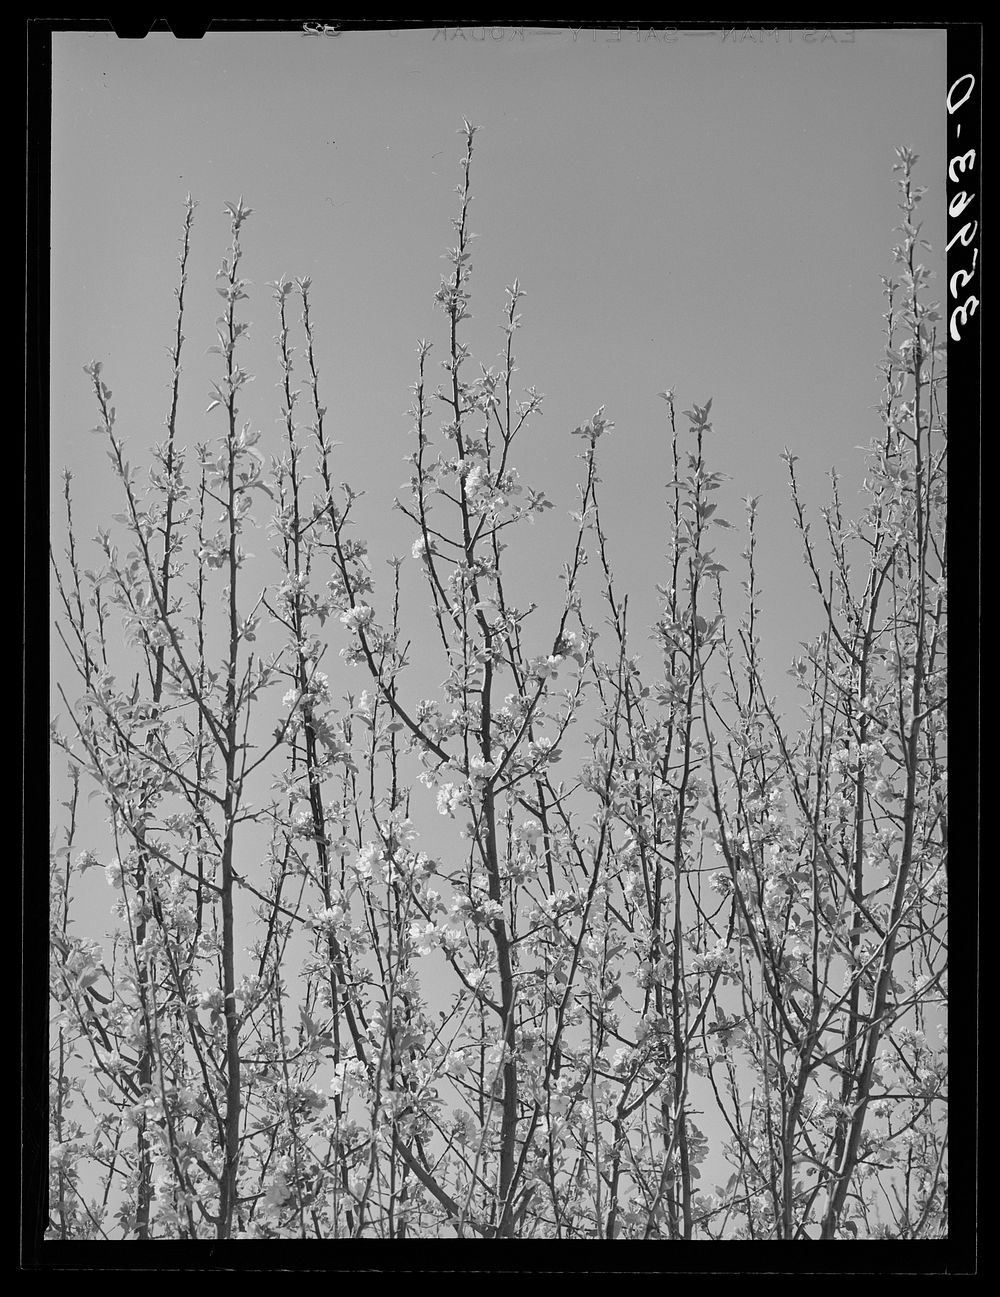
[[708, 214], [704, 214]]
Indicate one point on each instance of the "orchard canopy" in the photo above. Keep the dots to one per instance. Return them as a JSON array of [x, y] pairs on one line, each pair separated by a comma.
[[440, 909]]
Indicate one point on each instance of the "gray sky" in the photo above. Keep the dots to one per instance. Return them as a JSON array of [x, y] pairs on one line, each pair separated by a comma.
[[706, 214]]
